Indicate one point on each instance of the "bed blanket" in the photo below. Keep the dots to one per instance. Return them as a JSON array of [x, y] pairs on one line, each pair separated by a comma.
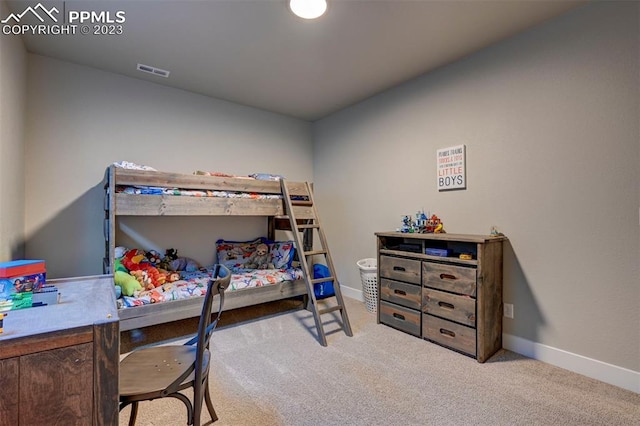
[[157, 190], [193, 284]]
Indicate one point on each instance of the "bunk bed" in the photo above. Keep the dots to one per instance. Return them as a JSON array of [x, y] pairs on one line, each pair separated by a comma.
[[158, 193]]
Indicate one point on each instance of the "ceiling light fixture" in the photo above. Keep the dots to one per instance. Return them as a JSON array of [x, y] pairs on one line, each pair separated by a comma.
[[308, 9]]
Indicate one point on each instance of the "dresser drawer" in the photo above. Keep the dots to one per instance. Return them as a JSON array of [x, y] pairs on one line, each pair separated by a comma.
[[449, 334], [400, 317], [449, 306], [456, 279], [400, 269], [409, 295]]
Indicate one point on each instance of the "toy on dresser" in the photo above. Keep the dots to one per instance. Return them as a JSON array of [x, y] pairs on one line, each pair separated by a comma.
[[424, 223]]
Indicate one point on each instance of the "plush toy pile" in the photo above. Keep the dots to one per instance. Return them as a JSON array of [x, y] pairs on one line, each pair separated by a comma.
[[137, 271]]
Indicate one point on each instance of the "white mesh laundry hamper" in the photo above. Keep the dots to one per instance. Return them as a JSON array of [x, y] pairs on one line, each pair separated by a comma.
[[369, 276]]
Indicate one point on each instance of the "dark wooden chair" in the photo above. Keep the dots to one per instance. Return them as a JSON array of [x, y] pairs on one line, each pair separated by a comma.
[[164, 371]]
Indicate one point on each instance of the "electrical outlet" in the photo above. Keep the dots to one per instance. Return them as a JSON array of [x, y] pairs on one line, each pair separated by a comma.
[[508, 310]]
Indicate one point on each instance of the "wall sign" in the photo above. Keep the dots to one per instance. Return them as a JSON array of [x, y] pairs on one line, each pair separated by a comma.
[[451, 168]]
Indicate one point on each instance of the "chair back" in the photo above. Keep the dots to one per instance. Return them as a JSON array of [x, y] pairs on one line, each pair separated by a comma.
[[218, 283], [220, 280]]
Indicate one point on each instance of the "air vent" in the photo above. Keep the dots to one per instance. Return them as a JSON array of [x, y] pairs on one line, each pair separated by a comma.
[[153, 70]]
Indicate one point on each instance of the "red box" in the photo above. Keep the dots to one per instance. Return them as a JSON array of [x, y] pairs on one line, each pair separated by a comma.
[[17, 268]]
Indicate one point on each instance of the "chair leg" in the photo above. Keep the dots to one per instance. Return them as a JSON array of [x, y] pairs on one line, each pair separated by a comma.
[[186, 403], [134, 413], [207, 398]]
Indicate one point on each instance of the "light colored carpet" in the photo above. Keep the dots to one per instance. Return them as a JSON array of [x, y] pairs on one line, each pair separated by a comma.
[[273, 371]]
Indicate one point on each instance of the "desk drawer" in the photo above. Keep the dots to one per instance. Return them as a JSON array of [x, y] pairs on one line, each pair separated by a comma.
[[453, 307], [396, 268], [400, 317], [449, 334], [409, 295], [456, 279]]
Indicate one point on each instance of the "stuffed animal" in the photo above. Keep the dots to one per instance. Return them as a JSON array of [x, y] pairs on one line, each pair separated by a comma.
[[119, 251], [175, 263], [118, 266], [169, 255], [153, 257], [172, 277], [144, 279], [184, 264], [127, 283], [161, 278], [259, 259], [133, 258]]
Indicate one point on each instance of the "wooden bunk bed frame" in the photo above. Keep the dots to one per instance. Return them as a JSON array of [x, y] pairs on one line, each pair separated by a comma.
[[121, 204]]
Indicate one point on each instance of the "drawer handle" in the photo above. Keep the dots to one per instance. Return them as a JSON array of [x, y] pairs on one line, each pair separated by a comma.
[[446, 305], [400, 292], [399, 268], [447, 277], [398, 316], [447, 333]]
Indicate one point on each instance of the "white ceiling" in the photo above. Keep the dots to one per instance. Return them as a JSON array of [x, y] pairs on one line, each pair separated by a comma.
[[256, 53]]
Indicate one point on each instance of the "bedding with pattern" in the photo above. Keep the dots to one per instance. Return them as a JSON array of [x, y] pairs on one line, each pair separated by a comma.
[[192, 284], [234, 255], [158, 190]]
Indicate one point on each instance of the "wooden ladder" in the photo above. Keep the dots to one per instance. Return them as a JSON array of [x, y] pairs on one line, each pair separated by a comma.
[[303, 217]]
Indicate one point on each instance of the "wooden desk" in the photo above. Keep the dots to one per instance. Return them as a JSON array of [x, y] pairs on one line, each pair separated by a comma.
[[59, 363]]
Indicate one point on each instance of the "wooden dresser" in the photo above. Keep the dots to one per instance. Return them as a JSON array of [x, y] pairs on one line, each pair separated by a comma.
[[446, 299], [59, 363]]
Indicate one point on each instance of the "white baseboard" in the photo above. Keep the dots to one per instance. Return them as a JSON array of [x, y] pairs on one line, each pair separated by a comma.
[[608, 373], [352, 293]]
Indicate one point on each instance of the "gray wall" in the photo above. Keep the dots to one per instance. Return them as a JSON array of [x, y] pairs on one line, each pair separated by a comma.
[[13, 86], [550, 122], [80, 120]]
